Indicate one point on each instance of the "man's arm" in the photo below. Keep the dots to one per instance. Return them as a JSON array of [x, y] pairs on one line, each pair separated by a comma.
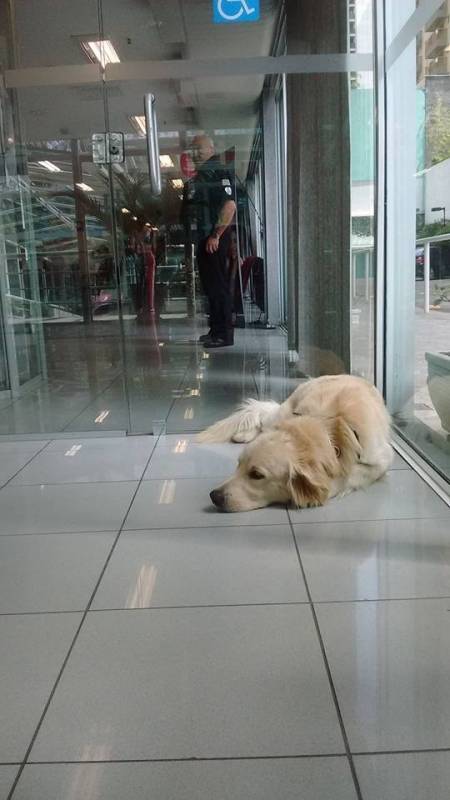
[[226, 215]]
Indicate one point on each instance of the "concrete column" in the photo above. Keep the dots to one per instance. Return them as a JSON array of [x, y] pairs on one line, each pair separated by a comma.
[[318, 178]]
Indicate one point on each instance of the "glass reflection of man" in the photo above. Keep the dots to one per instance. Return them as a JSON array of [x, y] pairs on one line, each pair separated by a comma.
[[208, 201]]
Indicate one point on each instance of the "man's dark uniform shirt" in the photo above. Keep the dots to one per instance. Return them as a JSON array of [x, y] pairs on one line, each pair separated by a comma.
[[203, 198]]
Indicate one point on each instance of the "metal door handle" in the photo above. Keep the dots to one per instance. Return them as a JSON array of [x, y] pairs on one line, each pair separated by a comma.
[[154, 165]]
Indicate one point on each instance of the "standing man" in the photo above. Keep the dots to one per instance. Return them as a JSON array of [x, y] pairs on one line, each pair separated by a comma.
[[208, 202]]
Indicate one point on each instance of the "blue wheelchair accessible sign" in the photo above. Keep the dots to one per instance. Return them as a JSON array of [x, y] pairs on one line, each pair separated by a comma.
[[229, 11]]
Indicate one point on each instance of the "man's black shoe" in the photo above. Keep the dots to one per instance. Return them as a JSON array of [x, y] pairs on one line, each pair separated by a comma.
[[216, 342], [205, 336]]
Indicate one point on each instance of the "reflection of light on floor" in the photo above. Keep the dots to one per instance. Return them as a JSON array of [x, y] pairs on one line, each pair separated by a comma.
[[199, 376], [102, 416], [181, 446], [205, 356], [194, 392], [189, 413], [167, 494], [73, 450], [141, 594], [86, 781]]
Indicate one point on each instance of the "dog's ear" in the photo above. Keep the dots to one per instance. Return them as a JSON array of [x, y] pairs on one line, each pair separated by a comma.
[[306, 488], [345, 443]]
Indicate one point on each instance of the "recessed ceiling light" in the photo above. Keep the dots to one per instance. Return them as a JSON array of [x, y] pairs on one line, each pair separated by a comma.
[[50, 166], [102, 416], [101, 51], [84, 187], [177, 183], [138, 123], [166, 161]]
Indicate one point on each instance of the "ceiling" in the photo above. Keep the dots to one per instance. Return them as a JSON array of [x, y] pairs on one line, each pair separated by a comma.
[[48, 34]]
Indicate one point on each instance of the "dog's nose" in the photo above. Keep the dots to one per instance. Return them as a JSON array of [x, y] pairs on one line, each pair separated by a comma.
[[218, 498]]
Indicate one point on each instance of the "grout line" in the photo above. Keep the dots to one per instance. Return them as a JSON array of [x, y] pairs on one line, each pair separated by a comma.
[[194, 759], [58, 533], [401, 752], [72, 645], [366, 519], [328, 672], [153, 530], [200, 606], [38, 453]]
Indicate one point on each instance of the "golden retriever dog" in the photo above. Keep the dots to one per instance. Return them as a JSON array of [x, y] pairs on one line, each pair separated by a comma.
[[331, 436]]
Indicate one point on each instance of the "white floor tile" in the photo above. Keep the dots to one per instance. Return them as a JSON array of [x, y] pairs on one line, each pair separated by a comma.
[[181, 457], [222, 566], [50, 572], [399, 462], [7, 776], [389, 663], [185, 503], [287, 779], [401, 494], [33, 650], [376, 560], [64, 509], [404, 776], [89, 461], [208, 682], [14, 456]]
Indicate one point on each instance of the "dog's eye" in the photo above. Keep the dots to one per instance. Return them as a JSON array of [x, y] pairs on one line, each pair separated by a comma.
[[255, 475]]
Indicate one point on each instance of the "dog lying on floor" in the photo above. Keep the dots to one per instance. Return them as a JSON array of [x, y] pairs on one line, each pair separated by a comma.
[[331, 436]]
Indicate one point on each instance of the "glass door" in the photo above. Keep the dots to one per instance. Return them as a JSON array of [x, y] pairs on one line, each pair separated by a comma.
[[119, 111]]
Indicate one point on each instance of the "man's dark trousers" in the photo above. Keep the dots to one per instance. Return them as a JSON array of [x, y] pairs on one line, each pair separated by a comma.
[[213, 270]]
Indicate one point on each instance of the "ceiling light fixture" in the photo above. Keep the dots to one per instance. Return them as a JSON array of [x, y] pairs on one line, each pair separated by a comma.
[[166, 161], [102, 416], [138, 124], [84, 187], [101, 51], [50, 166]]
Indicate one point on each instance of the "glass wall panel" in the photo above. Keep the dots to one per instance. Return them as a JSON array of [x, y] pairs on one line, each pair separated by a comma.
[[418, 255], [103, 296]]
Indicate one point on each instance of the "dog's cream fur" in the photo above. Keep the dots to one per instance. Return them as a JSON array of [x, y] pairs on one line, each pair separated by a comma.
[[331, 436]]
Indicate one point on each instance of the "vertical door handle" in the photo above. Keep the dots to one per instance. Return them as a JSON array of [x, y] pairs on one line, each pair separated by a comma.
[[154, 165]]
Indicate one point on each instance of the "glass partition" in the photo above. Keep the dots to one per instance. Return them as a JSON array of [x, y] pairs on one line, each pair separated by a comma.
[[103, 297], [418, 236]]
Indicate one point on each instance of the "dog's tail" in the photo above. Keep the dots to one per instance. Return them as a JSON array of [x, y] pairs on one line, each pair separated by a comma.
[[244, 425]]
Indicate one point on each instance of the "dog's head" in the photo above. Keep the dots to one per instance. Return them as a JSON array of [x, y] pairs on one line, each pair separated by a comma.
[[293, 464]]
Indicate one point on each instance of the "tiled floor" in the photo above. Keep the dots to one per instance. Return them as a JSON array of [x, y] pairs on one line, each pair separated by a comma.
[[152, 647]]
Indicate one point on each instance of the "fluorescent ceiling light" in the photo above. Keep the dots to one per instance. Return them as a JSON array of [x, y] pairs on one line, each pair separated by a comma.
[[101, 51], [102, 416], [177, 183], [166, 161], [50, 166], [138, 123], [84, 187]]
